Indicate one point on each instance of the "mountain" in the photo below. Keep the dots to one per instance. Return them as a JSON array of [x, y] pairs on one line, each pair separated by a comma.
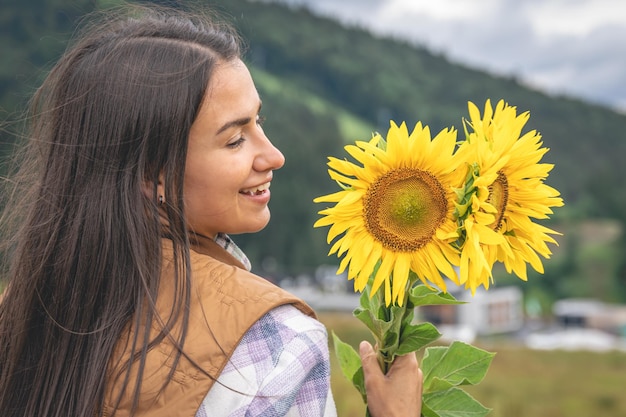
[[324, 85], [378, 79], [358, 82]]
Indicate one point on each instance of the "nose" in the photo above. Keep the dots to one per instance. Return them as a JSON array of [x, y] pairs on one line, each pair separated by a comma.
[[269, 157]]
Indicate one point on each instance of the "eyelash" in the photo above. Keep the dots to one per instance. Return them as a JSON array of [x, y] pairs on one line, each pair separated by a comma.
[[237, 143]]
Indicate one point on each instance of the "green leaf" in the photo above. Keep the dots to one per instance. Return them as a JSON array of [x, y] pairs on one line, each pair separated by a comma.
[[391, 340], [432, 356], [366, 317], [358, 380], [384, 322], [408, 315], [461, 209], [437, 384], [458, 364], [349, 359], [460, 193], [415, 336], [377, 326], [350, 364], [421, 295], [453, 402]]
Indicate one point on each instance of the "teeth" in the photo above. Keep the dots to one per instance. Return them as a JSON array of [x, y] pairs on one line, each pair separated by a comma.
[[256, 190]]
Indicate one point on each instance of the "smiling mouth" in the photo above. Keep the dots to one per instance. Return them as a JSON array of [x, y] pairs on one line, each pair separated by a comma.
[[256, 190]]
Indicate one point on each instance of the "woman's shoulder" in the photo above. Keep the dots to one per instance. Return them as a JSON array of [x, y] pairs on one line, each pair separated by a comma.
[[292, 320], [281, 364]]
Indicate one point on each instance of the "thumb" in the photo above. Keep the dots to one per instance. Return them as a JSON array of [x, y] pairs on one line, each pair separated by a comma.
[[369, 359]]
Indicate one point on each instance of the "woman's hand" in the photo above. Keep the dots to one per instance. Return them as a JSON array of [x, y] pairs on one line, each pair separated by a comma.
[[399, 392]]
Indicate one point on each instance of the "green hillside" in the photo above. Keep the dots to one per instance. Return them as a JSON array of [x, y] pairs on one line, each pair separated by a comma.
[[380, 79], [377, 79], [324, 85]]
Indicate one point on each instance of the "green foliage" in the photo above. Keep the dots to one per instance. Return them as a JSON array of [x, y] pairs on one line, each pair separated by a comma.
[[445, 368], [520, 382], [324, 85], [378, 79], [32, 34], [381, 79], [350, 365], [452, 402]]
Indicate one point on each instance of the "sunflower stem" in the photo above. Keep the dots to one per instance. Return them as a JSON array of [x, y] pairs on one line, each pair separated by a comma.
[[382, 348], [395, 315]]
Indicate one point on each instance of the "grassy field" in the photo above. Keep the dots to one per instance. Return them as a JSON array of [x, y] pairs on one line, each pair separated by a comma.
[[520, 382]]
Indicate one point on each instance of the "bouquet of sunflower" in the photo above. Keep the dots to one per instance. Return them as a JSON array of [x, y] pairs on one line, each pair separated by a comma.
[[414, 210]]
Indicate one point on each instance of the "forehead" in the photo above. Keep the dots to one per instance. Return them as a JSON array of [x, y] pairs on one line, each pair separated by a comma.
[[231, 89], [231, 95]]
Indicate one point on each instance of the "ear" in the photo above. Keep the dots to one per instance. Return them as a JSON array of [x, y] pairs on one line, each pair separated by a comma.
[[155, 192]]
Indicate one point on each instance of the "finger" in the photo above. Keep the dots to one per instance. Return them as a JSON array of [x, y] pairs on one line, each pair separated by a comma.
[[368, 358], [404, 363], [366, 351], [407, 359]]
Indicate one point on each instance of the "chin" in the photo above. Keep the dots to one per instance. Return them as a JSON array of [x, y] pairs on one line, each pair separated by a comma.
[[253, 228], [258, 229]]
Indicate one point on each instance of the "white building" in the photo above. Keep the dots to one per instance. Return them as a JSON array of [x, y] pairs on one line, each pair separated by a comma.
[[499, 310]]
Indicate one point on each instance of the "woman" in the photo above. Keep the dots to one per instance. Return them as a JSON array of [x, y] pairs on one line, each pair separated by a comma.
[[125, 294]]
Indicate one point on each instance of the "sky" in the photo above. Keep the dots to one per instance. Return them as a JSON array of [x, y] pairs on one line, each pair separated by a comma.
[[571, 47]]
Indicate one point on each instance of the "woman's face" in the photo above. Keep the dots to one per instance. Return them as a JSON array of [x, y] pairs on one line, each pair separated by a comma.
[[229, 158]]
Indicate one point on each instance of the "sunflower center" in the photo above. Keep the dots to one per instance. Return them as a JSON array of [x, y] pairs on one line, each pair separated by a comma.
[[404, 208], [498, 197]]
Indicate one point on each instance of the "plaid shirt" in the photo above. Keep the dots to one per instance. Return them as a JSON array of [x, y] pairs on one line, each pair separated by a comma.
[[280, 368], [227, 243]]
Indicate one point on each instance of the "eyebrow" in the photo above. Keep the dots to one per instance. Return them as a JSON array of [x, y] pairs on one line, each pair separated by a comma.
[[237, 122]]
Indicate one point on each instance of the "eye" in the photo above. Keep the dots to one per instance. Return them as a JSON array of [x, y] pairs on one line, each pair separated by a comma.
[[260, 120], [236, 143]]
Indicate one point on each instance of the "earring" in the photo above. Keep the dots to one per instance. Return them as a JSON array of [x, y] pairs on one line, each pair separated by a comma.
[[161, 200]]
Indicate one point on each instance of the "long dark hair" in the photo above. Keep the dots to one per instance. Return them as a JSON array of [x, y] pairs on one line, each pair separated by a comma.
[[111, 119]]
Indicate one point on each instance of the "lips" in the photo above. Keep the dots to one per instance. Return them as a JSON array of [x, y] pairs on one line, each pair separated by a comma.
[[258, 190]]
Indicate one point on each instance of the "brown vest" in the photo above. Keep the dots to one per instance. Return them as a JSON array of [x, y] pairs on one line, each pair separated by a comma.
[[226, 300]]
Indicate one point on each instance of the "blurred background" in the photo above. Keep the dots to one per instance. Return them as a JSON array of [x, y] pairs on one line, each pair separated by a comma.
[[331, 72]]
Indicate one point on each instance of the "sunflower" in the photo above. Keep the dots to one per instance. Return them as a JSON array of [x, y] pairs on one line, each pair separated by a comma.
[[395, 211], [504, 191]]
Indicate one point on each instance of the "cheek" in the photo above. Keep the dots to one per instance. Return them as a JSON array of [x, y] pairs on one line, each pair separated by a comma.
[[196, 184], [197, 192], [207, 189], [202, 205]]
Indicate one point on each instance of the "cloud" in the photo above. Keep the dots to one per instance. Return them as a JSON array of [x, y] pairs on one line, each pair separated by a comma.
[[573, 47]]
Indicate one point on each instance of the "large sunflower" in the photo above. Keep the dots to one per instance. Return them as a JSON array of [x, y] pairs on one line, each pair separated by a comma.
[[505, 190], [395, 212]]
